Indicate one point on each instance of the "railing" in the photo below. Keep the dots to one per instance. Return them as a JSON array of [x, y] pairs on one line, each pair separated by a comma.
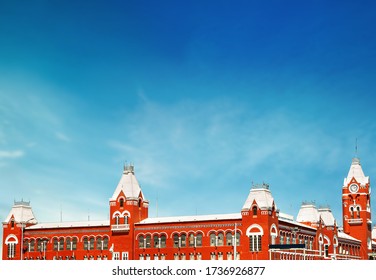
[[121, 227], [355, 221]]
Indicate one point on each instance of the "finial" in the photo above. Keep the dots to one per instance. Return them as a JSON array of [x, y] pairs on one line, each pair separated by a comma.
[[356, 147]]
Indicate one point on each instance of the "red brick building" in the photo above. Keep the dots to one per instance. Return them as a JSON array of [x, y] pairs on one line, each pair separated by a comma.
[[259, 231]]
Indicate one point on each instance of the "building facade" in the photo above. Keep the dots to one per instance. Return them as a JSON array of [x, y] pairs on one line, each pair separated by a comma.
[[260, 231]]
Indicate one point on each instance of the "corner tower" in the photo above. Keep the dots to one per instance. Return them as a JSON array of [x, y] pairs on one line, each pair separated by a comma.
[[260, 222], [20, 216], [127, 207], [356, 207]]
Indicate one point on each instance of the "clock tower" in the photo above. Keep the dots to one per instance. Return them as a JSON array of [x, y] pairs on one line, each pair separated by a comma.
[[356, 207]]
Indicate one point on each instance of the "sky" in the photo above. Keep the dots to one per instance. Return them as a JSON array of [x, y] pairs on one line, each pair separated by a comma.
[[204, 98]]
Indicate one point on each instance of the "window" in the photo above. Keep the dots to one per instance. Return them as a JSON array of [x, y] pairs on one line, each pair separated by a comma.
[[326, 248], [148, 241], [99, 243], [11, 250], [105, 243], [163, 241], [61, 244], [199, 240], [74, 243], [156, 241], [176, 240], [32, 246], [213, 240], [191, 240], [55, 242], [183, 240], [92, 241], [220, 239], [12, 223], [116, 220], [254, 210], [141, 240], [229, 239], [237, 239], [126, 220], [358, 211], [255, 243], [69, 244], [86, 243], [39, 245], [121, 202]]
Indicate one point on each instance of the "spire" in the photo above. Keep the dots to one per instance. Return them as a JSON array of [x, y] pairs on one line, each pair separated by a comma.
[[356, 172], [128, 184]]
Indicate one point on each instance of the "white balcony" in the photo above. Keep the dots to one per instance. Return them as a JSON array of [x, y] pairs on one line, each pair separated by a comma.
[[355, 221], [121, 227]]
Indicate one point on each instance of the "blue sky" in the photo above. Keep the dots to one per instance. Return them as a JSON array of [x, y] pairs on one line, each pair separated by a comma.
[[203, 98]]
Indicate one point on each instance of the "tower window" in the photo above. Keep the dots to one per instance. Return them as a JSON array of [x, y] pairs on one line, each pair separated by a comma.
[[121, 202], [254, 210]]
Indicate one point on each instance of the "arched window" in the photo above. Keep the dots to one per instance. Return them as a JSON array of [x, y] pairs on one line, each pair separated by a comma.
[[163, 241], [11, 250], [105, 243], [191, 240], [92, 241], [220, 239], [358, 211], [229, 239], [86, 243], [352, 212], [55, 243], [199, 240], [74, 243], [39, 245], [254, 210], [121, 201], [156, 241], [213, 239], [12, 223], [237, 239], [126, 220], [141, 240], [69, 243], [183, 240], [148, 241], [99, 243], [61, 244], [176, 240], [116, 219], [255, 242], [32, 245]]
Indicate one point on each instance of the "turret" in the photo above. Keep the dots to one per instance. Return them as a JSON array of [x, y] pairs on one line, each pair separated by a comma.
[[356, 206], [127, 207], [20, 216]]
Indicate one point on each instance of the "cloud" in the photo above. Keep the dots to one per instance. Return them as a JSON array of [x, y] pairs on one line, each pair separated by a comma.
[[62, 137], [11, 154]]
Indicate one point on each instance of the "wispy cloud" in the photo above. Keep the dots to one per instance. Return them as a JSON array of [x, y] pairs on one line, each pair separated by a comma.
[[61, 136], [11, 154]]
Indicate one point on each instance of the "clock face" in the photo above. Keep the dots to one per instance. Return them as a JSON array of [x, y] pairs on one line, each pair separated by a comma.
[[354, 188]]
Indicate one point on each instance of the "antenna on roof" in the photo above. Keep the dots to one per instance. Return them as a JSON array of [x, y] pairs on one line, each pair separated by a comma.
[[356, 147]]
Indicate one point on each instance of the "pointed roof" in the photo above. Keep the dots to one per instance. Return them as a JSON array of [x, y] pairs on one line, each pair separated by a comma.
[[261, 195], [308, 213], [327, 216], [21, 212], [128, 184], [356, 172]]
